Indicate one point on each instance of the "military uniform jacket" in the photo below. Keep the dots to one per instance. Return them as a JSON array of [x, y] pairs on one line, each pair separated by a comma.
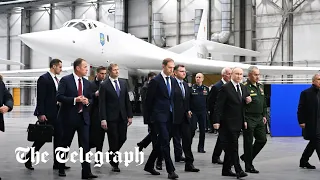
[[198, 98], [258, 104]]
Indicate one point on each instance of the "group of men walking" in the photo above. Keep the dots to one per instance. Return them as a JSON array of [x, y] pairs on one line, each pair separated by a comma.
[[171, 109]]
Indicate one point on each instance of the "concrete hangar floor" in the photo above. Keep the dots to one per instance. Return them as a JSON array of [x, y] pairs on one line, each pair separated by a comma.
[[278, 160]]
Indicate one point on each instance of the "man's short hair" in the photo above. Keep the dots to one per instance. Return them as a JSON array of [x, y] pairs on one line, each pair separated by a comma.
[[100, 68], [224, 70], [54, 62], [252, 68], [166, 61], [111, 66], [77, 62], [177, 66], [151, 74], [314, 77]]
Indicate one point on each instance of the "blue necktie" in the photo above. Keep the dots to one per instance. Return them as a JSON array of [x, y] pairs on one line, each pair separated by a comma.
[[182, 89], [117, 88], [168, 86]]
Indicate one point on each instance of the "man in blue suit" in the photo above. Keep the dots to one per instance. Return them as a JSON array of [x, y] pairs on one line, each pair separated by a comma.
[[47, 107], [226, 77], [75, 96], [159, 103]]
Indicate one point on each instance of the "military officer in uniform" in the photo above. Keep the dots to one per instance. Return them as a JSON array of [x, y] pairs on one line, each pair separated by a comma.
[[198, 107], [255, 116]]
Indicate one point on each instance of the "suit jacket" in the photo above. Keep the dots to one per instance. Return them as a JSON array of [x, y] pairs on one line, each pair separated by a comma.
[[67, 91], [143, 93], [181, 104], [158, 100], [5, 99], [94, 107], [308, 111], [229, 109], [46, 97], [212, 97], [112, 107]]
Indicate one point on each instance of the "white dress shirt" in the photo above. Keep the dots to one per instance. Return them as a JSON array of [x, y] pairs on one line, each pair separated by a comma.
[[165, 80], [181, 85], [54, 80], [235, 86], [114, 84], [223, 81]]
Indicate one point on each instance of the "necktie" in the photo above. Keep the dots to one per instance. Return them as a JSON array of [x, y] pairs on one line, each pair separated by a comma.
[[168, 86], [55, 77], [238, 92], [117, 88], [79, 93], [182, 89]]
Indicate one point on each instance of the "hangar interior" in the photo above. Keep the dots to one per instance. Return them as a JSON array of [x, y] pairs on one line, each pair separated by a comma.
[[284, 31]]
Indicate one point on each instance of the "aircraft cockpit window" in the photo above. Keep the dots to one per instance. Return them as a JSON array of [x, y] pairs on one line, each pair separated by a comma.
[[89, 25], [80, 26], [95, 25], [71, 23]]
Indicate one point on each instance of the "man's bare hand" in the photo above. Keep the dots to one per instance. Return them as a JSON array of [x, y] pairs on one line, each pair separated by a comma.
[[245, 125], [129, 121], [303, 125], [97, 93], [4, 109], [264, 120], [216, 126], [104, 124], [189, 114], [248, 99], [79, 99], [85, 101], [42, 118]]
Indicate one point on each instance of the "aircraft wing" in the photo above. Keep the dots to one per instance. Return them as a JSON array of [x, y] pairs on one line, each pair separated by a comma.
[[10, 62], [31, 72]]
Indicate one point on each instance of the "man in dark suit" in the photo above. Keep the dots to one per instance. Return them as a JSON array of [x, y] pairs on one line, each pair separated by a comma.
[[160, 106], [47, 108], [6, 102], [182, 116], [115, 111], [229, 119], [97, 134], [212, 98], [148, 139], [309, 120], [75, 96]]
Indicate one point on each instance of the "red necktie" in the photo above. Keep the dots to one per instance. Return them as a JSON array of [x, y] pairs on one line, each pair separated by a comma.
[[80, 93], [56, 79]]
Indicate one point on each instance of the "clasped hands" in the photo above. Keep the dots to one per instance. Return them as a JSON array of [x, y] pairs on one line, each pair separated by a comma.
[[82, 99]]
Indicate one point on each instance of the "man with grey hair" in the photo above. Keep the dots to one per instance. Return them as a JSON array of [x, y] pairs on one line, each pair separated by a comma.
[[309, 120], [255, 116], [226, 76]]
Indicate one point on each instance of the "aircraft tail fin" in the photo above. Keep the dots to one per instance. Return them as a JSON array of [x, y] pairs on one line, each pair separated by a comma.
[[203, 27]]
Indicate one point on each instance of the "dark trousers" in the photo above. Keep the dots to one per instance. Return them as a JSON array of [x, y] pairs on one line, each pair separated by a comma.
[[314, 144], [163, 140], [57, 141], [200, 118], [217, 149], [152, 137], [230, 145], [117, 136], [82, 130], [255, 129], [176, 139], [185, 131]]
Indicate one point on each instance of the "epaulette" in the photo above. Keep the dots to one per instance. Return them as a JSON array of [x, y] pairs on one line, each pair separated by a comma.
[[245, 83]]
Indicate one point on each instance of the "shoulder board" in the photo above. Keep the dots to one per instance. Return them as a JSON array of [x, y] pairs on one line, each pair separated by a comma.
[[245, 83]]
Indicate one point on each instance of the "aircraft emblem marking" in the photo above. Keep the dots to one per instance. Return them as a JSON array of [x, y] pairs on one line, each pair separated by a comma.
[[102, 40]]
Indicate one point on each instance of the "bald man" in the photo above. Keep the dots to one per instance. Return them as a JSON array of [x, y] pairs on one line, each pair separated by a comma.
[[198, 106], [229, 118]]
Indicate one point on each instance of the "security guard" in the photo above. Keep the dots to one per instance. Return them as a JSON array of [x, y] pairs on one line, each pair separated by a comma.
[[198, 107], [255, 115]]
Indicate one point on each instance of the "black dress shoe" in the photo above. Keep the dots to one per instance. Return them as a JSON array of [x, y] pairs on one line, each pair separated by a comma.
[[89, 176], [62, 173], [152, 171], [241, 174], [307, 165], [115, 169], [252, 170], [191, 168], [28, 165], [172, 175], [201, 151], [55, 167], [228, 173], [217, 161]]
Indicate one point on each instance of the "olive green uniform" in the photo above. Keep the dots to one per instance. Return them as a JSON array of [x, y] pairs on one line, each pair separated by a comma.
[[255, 111]]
